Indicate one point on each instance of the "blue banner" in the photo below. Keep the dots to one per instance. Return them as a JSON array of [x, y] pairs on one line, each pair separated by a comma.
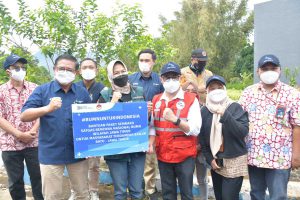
[[109, 128]]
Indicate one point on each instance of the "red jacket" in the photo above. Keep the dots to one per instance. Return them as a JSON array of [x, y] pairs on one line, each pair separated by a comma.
[[172, 144]]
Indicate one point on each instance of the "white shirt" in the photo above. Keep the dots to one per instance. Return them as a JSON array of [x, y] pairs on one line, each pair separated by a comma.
[[194, 119]]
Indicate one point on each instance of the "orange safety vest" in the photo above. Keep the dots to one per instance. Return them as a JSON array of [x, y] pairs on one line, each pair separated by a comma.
[[172, 144]]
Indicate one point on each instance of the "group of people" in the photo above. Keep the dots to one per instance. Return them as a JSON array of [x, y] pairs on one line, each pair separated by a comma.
[[192, 122]]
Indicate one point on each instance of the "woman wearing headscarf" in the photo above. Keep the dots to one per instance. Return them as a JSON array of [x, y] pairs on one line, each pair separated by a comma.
[[201, 165], [126, 169], [222, 137]]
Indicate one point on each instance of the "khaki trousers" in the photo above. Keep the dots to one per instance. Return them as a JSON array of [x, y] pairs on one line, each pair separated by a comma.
[[52, 180], [150, 173], [94, 169]]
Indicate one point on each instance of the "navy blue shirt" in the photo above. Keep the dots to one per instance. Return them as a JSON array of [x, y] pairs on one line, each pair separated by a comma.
[[55, 133], [94, 90], [151, 85]]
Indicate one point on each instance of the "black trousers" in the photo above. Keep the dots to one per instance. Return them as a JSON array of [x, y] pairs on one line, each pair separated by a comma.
[[226, 188], [14, 165], [182, 171]]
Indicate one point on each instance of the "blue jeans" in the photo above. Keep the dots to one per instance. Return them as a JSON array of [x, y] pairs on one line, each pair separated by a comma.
[[127, 173], [14, 165], [275, 180], [201, 171], [182, 171]]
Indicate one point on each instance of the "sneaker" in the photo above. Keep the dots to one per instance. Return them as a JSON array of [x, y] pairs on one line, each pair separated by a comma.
[[94, 195], [72, 196]]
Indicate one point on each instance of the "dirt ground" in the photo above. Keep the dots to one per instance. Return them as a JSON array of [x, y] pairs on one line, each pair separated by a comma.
[[105, 191]]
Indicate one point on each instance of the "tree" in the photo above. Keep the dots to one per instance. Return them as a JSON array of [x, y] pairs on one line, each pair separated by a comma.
[[34, 73], [57, 28], [220, 27], [245, 60]]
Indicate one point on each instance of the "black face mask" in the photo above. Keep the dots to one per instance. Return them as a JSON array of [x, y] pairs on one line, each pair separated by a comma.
[[121, 80], [199, 66]]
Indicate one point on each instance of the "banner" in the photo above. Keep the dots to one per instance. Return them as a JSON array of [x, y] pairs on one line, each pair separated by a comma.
[[109, 128]]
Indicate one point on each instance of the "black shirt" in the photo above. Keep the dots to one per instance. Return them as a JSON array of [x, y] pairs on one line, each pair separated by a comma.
[[235, 127]]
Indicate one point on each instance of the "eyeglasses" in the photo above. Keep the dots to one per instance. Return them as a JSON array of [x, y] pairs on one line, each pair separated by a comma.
[[66, 69], [19, 67]]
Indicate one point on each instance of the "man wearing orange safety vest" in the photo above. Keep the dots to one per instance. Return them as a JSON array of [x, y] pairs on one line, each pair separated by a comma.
[[175, 124]]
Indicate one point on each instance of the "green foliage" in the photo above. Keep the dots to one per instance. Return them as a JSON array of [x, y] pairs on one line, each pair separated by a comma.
[[245, 60], [240, 83], [220, 27], [291, 75], [102, 76], [234, 94], [57, 28], [35, 73]]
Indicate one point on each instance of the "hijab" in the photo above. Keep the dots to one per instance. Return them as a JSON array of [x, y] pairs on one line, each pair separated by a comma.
[[216, 137], [110, 67]]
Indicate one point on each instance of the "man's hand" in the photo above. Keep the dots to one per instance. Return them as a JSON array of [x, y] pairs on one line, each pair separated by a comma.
[[150, 107], [150, 148], [116, 96], [202, 90], [54, 104], [26, 137], [295, 162], [296, 147], [169, 115], [198, 147]]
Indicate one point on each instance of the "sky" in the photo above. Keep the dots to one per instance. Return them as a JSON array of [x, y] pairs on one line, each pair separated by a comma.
[[151, 8]]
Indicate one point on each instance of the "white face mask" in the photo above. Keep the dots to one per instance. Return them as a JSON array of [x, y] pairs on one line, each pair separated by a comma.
[[217, 96], [88, 74], [144, 67], [171, 85], [269, 77], [18, 75], [64, 77]]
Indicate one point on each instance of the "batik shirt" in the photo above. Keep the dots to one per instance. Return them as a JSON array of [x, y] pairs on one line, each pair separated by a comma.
[[272, 115], [11, 103]]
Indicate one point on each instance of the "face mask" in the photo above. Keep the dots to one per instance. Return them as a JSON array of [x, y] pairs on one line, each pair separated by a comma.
[[64, 77], [121, 80], [144, 67], [88, 74], [269, 77], [217, 96], [171, 85], [199, 66], [18, 75]]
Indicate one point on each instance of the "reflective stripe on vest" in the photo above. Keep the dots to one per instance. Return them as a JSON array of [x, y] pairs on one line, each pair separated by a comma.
[[168, 129], [162, 119], [172, 144]]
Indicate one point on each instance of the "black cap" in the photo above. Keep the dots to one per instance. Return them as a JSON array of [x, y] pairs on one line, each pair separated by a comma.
[[268, 59], [12, 59], [200, 54], [170, 67], [215, 78]]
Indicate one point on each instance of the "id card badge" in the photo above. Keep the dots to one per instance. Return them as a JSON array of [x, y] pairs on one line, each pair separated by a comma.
[[280, 112]]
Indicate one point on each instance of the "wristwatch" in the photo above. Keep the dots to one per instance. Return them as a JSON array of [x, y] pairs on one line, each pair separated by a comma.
[[177, 122]]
